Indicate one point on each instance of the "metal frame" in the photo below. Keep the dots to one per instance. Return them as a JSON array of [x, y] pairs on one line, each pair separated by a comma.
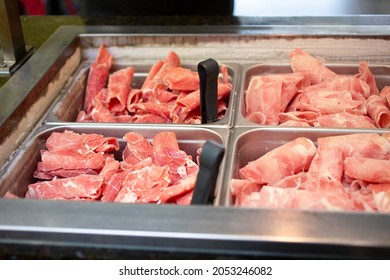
[[169, 228]]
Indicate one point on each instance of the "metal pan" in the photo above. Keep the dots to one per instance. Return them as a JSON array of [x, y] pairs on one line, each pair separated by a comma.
[[381, 73], [19, 173]]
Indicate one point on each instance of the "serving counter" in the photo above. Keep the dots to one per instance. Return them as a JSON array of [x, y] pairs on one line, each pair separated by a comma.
[[32, 100]]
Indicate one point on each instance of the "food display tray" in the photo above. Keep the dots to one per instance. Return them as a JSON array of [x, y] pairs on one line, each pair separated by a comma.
[[55, 97]]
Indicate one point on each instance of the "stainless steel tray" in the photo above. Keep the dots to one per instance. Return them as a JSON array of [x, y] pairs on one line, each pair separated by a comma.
[[19, 173], [71, 100], [215, 229], [249, 143], [380, 71]]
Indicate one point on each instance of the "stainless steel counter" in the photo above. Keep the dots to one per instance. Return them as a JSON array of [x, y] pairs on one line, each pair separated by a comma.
[[218, 229]]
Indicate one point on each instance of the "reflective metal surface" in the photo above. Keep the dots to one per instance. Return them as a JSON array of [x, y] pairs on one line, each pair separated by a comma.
[[220, 228]]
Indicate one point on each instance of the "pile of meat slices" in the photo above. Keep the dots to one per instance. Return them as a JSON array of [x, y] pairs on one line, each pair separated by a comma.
[[347, 172], [314, 95], [169, 94], [82, 167]]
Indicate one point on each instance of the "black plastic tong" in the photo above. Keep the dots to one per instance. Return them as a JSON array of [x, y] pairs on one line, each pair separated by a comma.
[[208, 71], [210, 160]]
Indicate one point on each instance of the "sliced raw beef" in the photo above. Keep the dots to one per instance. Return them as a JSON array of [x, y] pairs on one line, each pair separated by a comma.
[[144, 185], [366, 75], [348, 172], [346, 120], [79, 187], [118, 89], [368, 169], [98, 75], [286, 160], [378, 111], [315, 70], [137, 148], [74, 143]]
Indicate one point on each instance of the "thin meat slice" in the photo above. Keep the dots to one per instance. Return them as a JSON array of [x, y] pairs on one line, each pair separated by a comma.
[[118, 89], [98, 75], [186, 104], [368, 169], [241, 188], [378, 111], [350, 83], [70, 142], [166, 152], [285, 160], [144, 186], [385, 95], [55, 160], [313, 68], [155, 80], [308, 117], [346, 120], [183, 79], [100, 113], [381, 193], [325, 101], [366, 75], [79, 187], [111, 166], [269, 95], [263, 104], [273, 197], [179, 189], [162, 110], [137, 148]]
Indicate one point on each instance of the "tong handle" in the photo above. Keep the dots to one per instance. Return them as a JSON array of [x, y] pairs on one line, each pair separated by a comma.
[[210, 161], [208, 71]]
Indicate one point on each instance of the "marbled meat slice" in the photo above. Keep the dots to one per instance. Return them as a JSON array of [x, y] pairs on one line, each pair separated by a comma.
[[378, 111], [368, 169], [316, 71], [98, 75], [70, 142], [366, 75], [381, 193], [118, 89], [179, 78], [285, 160], [344, 119], [56, 160], [137, 148], [79, 187], [166, 151], [145, 185]]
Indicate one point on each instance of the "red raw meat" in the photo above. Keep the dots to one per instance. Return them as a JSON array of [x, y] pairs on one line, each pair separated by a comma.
[[137, 148], [79, 187], [170, 93], [118, 89], [100, 113], [366, 75], [144, 185], [179, 78], [325, 101], [57, 160], [179, 189], [315, 70], [381, 193], [74, 143], [348, 172], [378, 111], [98, 75], [368, 169], [345, 119], [286, 160]]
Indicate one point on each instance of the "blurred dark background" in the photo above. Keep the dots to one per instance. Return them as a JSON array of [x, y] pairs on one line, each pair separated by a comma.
[[221, 7]]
